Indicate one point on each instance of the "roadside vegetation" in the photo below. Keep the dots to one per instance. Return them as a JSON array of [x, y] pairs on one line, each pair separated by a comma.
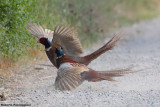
[[92, 18]]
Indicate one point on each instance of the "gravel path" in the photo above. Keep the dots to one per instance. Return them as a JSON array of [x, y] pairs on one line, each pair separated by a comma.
[[139, 47]]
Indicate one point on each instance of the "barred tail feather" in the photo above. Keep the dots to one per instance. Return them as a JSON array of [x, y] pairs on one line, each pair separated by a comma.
[[108, 46], [107, 75]]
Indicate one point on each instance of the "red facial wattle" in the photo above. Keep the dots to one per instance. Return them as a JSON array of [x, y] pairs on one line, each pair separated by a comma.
[[42, 40]]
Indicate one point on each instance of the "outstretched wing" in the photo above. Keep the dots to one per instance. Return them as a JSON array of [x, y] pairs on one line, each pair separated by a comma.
[[68, 79], [67, 38], [38, 31]]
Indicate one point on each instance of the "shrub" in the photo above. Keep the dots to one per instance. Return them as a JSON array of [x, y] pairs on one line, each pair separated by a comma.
[[14, 38]]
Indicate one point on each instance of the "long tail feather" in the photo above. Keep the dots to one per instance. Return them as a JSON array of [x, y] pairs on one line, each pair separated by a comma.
[[108, 46], [116, 73], [108, 75]]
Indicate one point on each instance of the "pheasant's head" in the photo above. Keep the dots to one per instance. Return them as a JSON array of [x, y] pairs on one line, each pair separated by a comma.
[[44, 41], [59, 52]]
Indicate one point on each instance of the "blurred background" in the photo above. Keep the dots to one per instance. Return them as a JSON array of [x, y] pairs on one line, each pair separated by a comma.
[[92, 18]]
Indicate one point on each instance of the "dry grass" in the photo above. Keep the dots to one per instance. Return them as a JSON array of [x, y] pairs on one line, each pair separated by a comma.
[[5, 64], [8, 67]]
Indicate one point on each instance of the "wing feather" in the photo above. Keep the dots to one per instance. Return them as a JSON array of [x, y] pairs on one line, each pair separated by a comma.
[[61, 83], [67, 80], [67, 38], [38, 31], [65, 28], [66, 85], [75, 79], [33, 29], [70, 82], [64, 35]]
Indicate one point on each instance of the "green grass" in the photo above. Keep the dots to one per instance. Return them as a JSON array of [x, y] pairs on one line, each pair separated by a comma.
[[13, 36], [92, 18], [118, 13]]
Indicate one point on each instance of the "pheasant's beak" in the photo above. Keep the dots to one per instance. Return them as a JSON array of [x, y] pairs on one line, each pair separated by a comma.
[[59, 48]]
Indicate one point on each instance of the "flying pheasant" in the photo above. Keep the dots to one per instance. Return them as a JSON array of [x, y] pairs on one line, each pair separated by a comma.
[[67, 38], [71, 73]]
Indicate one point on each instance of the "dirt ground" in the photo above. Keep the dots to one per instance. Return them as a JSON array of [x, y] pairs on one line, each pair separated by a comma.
[[139, 47]]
